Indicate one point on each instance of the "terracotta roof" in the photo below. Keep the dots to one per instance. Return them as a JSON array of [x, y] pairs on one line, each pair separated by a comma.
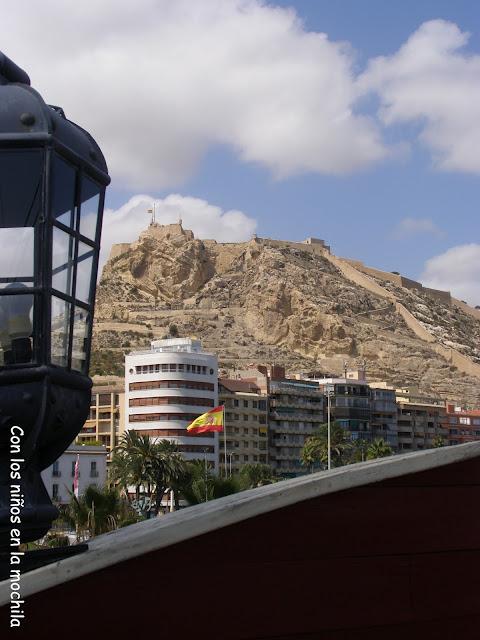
[[241, 386]]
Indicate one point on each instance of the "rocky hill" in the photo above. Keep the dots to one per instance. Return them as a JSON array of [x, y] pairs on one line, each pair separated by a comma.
[[290, 303]]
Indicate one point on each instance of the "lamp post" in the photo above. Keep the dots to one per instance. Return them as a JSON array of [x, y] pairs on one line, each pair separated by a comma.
[[330, 392], [52, 186]]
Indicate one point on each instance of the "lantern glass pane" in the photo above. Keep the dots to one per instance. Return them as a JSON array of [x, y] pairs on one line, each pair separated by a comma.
[[80, 340], [62, 261], [89, 208], [16, 257], [84, 271], [16, 329], [63, 193], [60, 331], [21, 173]]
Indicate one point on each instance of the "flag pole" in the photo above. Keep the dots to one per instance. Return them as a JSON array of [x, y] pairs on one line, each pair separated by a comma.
[[225, 440]]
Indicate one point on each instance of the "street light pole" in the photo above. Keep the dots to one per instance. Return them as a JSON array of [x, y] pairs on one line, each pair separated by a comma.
[[329, 452], [206, 475]]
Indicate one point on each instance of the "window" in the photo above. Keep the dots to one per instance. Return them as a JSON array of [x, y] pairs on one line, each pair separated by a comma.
[[236, 444], [245, 404], [254, 404], [93, 469], [55, 470], [464, 420], [73, 468], [236, 416], [172, 367], [181, 367], [60, 331], [245, 417], [245, 430], [55, 491], [80, 339], [245, 444], [262, 405], [237, 429], [89, 208], [235, 403], [245, 458]]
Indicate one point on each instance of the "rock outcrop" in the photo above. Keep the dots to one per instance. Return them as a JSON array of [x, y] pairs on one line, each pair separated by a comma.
[[288, 303]]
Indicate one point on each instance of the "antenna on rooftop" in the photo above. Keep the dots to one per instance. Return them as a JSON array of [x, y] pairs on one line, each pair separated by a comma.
[[152, 211]]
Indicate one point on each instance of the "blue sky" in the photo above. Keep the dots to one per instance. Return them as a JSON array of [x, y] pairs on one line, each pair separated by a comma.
[[238, 116]]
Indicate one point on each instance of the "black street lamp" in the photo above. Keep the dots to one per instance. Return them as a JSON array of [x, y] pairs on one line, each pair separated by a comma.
[[52, 186]]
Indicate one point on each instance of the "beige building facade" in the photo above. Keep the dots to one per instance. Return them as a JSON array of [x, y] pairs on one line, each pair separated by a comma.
[[420, 420], [246, 428], [106, 421]]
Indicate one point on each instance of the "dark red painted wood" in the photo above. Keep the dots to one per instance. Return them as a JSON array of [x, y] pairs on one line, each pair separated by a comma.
[[400, 559]]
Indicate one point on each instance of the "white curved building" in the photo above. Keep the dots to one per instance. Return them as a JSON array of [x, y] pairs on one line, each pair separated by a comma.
[[168, 386]]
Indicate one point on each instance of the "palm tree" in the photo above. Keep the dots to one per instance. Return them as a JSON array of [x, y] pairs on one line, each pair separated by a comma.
[[256, 475], [140, 461], [96, 511], [132, 463], [315, 449], [378, 449], [360, 450], [168, 469], [200, 485]]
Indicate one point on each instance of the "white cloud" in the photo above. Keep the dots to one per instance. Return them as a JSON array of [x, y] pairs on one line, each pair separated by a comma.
[[206, 220], [431, 82], [159, 82], [457, 270], [408, 227]]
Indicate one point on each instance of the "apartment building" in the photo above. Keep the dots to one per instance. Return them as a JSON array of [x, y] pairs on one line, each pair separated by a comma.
[[421, 420], [106, 421], [383, 407], [58, 477], [296, 410], [463, 424], [350, 404], [166, 388], [246, 413]]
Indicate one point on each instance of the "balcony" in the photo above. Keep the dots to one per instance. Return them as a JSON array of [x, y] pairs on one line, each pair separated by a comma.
[[304, 417], [316, 406]]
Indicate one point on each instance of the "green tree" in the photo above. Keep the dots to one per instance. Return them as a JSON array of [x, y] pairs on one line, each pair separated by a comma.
[[132, 463], [439, 441], [379, 449], [96, 511], [360, 450], [145, 464], [168, 470], [315, 450], [173, 331], [201, 485], [256, 475]]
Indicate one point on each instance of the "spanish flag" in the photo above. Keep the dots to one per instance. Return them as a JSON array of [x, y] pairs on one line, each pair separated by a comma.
[[210, 421]]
